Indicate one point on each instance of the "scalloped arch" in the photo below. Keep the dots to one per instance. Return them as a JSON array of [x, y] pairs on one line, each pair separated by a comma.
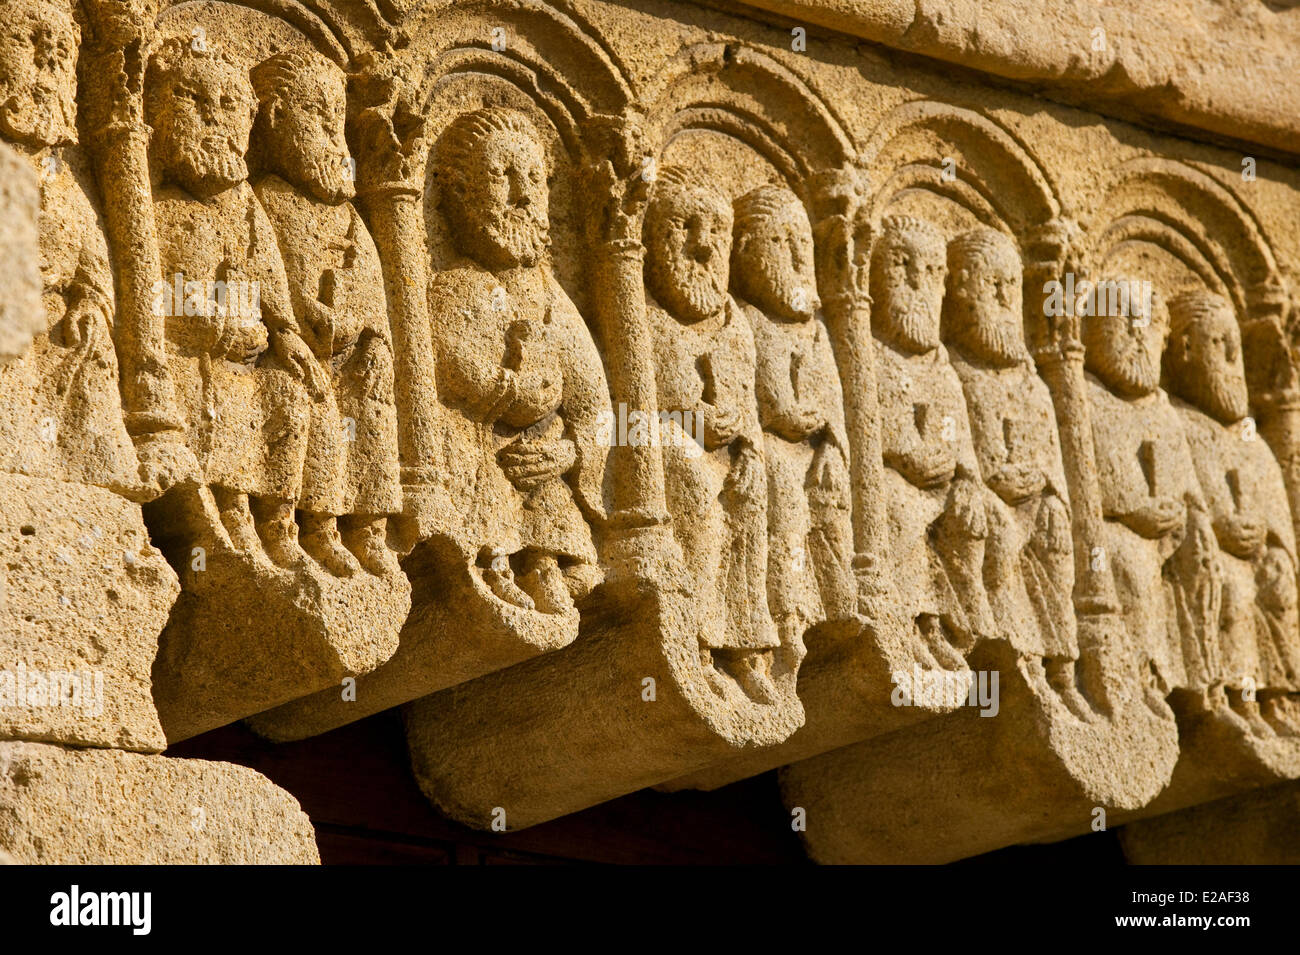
[[1005, 180]]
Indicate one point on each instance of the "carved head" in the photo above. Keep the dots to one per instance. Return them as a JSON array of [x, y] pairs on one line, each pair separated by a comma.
[[688, 226], [1203, 361], [1124, 341], [302, 114], [772, 253], [494, 191], [983, 312], [38, 73], [200, 104], [908, 266]]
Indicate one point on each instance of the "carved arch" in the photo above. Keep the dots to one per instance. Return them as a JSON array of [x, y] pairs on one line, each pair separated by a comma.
[[993, 174], [735, 90]]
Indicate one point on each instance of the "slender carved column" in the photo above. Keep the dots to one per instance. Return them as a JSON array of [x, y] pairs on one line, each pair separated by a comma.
[[842, 244], [614, 176], [112, 71], [1273, 381], [387, 135]]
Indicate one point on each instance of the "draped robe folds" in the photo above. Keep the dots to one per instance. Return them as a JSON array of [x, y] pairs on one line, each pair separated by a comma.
[[1259, 638], [474, 317], [810, 537], [330, 259], [246, 414], [707, 369], [63, 407]]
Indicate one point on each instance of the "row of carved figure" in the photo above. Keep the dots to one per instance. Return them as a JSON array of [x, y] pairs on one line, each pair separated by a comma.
[[279, 349]]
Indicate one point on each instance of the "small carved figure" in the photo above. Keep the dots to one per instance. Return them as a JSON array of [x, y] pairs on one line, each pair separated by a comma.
[[800, 407], [60, 407], [1029, 553], [937, 514], [225, 299], [716, 490], [337, 290], [516, 361], [1259, 631]]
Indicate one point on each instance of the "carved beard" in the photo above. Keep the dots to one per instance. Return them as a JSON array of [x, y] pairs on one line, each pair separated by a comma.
[[774, 289], [214, 164], [992, 338], [910, 320], [1126, 367], [519, 235], [691, 290], [40, 115], [1219, 394], [324, 176]]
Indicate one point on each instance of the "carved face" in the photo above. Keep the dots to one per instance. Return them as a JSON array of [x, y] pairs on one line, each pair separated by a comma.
[[773, 261], [1208, 369], [688, 241], [499, 205], [1123, 350], [908, 269], [307, 142], [202, 115], [984, 298], [38, 75]]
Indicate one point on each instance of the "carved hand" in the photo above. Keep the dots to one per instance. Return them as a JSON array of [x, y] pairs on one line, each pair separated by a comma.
[[743, 480], [529, 464], [966, 505], [1017, 483], [1156, 517], [1241, 535], [1052, 534], [721, 425], [299, 360], [1275, 579]]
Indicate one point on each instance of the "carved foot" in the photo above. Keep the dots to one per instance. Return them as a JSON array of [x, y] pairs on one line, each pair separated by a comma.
[[752, 670], [320, 539], [1280, 712], [546, 584], [1060, 677], [500, 579], [1249, 711], [937, 645], [278, 533]]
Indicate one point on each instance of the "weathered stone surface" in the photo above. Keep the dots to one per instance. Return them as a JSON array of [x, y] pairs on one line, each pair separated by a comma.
[[22, 314], [61, 806], [655, 394], [85, 597], [1261, 827]]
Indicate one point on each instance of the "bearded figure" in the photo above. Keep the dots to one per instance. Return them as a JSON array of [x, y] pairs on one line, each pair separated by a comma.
[[1029, 552], [716, 487], [62, 416], [336, 286], [1259, 628], [235, 353], [519, 370], [1156, 535], [801, 411], [936, 500]]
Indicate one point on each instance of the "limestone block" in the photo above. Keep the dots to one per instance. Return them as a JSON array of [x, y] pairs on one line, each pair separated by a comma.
[[1261, 827], [85, 597], [22, 314], [61, 806]]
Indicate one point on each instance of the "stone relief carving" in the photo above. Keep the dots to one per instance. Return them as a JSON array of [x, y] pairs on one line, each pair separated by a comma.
[[377, 351], [937, 511], [517, 363]]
